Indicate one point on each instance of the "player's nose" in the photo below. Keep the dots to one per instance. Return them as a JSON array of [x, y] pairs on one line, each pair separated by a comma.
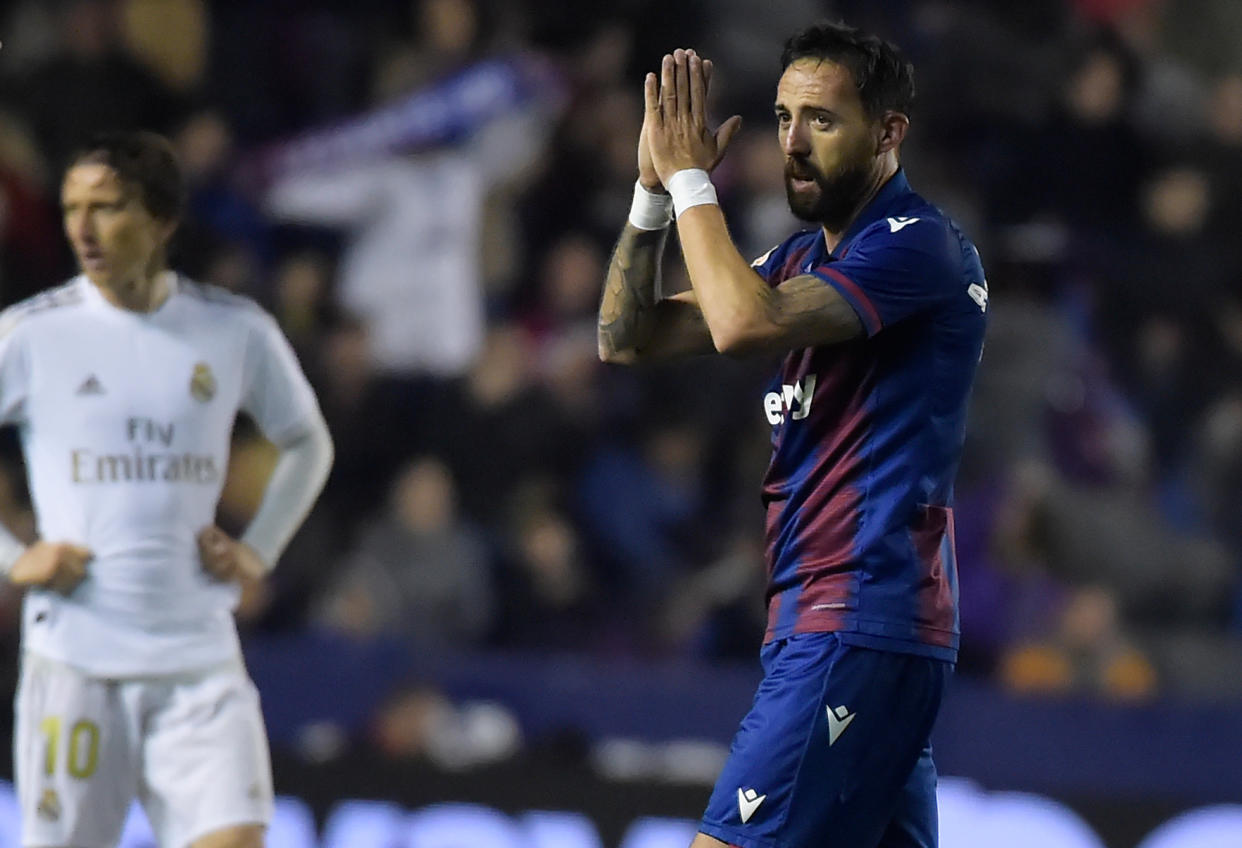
[[794, 141], [80, 231]]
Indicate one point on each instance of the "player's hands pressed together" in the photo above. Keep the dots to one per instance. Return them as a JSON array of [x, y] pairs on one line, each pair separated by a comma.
[[59, 566], [225, 558], [675, 120], [647, 175]]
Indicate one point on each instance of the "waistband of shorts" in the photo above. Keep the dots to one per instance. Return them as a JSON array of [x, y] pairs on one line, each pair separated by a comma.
[[232, 664]]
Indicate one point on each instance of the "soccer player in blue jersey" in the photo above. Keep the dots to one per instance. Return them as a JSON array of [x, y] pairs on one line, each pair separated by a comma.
[[880, 310]]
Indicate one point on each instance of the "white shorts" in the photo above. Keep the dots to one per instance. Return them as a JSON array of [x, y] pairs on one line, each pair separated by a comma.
[[192, 748]]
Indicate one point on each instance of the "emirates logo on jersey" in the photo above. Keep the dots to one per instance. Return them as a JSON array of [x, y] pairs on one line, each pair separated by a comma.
[[202, 383]]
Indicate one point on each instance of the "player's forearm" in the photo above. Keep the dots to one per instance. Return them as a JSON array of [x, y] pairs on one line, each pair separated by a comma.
[[300, 473], [735, 301], [627, 311]]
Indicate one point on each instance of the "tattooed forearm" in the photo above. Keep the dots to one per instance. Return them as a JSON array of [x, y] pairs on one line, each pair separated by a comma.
[[627, 311]]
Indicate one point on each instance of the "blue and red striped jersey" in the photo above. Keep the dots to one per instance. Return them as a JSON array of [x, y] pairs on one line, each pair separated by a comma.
[[867, 434]]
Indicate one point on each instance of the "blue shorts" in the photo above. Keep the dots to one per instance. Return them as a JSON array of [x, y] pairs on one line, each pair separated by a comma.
[[835, 751]]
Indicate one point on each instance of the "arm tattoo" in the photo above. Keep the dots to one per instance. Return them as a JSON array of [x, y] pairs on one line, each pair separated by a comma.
[[627, 311]]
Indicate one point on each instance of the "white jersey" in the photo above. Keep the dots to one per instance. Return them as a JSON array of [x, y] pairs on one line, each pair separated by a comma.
[[125, 421]]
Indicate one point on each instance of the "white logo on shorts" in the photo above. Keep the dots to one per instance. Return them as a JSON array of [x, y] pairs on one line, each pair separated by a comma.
[[748, 800], [838, 720]]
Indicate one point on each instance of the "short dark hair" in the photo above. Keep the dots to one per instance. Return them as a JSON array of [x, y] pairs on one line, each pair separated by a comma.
[[144, 160], [882, 73]]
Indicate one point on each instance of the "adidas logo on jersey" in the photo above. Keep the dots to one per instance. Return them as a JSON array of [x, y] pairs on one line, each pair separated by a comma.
[[91, 386]]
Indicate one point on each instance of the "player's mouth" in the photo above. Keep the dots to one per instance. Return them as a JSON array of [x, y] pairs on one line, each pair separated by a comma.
[[800, 177], [93, 260]]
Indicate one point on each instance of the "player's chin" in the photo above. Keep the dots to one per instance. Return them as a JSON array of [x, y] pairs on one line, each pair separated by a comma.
[[804, 204], [94, 266]]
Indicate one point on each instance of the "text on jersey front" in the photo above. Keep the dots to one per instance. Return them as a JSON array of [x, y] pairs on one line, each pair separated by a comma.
[[793, 399], [141, 464]]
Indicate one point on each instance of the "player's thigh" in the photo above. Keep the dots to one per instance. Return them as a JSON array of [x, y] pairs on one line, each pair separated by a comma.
[[75, 756], [237, 836], [823, 755], [702, 840], [916, 822], [205, 760]]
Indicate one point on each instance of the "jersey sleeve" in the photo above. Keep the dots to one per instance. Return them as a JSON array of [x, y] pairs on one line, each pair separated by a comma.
[[278, 396], [14, 370], [890, 274], [771, 265]]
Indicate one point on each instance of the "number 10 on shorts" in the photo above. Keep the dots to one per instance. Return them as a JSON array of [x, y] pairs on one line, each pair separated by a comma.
[[82, 748]]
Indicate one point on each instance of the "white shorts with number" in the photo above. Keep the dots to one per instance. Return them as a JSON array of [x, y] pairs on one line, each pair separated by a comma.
[[191, 748]]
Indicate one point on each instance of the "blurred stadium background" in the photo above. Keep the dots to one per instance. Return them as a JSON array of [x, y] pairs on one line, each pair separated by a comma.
[[527, 608]]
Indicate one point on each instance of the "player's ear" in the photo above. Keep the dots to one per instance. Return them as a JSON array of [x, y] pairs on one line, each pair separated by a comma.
[[893, 127]]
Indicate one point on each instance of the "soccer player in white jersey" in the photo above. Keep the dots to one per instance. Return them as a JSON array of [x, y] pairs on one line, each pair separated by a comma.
[[124, 384]]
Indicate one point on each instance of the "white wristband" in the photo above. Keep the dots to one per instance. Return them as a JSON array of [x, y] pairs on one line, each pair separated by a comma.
[[691, 187], [650, 210]]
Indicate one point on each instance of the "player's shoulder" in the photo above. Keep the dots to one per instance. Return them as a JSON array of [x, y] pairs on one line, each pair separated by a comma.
[[779, 254], [59, 300], [222, 302], [914, 222], [918, 225]]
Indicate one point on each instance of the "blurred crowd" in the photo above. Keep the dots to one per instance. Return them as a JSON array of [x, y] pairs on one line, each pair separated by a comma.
[[425, 195]]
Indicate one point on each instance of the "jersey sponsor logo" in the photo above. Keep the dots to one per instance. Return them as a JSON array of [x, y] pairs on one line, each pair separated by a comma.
[[978, 292], [202, 383], [88, 467], [794, 399], [838, 720], [896, 225], [141, 463], [748, 800], [91, 386]]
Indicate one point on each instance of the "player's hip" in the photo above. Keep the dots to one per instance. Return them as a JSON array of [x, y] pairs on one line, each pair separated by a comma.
[[191, 747], [107, 644], [830, 744]]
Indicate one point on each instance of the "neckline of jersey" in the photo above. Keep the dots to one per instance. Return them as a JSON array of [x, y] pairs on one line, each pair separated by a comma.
[[897, 186], [172, 280]]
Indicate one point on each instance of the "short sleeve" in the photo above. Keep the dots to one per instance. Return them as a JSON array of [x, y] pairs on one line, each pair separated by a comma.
[[896, 269], [14, 370], [772, 264], [278, 396]]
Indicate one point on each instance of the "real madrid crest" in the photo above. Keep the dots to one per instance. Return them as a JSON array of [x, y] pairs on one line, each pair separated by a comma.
[[49, 805], [203, 383]]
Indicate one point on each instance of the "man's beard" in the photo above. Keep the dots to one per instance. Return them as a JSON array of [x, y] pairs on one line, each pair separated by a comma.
[[837, 197]]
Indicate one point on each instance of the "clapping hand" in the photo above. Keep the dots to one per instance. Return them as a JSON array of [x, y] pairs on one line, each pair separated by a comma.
[[675, 128]]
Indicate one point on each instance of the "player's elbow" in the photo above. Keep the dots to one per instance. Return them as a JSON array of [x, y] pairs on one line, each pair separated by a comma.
[[319, 446], [739, 336], [612, 356], [329, 451]]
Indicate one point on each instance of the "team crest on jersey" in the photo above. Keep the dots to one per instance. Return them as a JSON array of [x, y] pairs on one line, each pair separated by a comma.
[[49, 805], [203, 383]]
